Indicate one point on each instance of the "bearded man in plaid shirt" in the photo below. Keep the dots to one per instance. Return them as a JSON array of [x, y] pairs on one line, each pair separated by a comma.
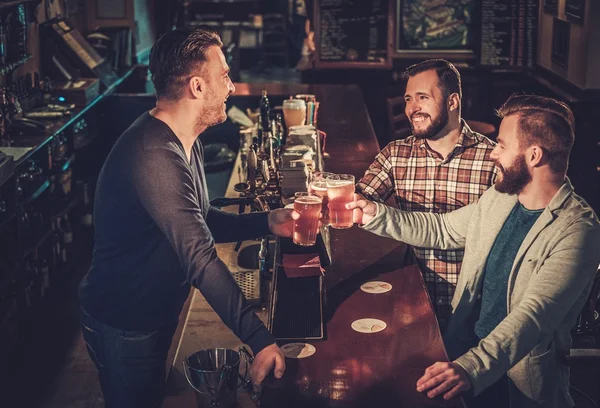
[[442, 166]]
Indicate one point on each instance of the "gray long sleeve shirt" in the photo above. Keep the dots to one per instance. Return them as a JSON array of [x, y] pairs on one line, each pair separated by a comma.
[[155, 235]]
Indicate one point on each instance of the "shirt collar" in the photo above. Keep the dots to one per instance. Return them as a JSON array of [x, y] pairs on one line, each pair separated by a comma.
[[467, 138]]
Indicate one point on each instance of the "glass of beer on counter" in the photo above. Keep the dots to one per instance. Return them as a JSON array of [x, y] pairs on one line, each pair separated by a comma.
[[306, 227], [318, 186], [294, 112], [340, 191]]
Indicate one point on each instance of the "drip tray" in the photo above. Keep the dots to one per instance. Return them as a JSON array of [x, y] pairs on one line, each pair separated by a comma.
[[249, 283], [244, 268], [296, 311]]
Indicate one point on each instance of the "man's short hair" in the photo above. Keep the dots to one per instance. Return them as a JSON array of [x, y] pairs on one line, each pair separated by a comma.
[[448, 76], [176, 55], [546, 122]]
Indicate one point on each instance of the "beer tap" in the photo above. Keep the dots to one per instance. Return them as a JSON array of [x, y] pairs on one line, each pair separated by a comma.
[[252, 168]]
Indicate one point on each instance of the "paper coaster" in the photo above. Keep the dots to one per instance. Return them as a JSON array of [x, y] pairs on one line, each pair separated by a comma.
[[298, 350], [376, 287], [368, 325]]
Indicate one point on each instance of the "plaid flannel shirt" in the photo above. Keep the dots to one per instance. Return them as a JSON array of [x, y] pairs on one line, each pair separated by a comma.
[[421, 180]]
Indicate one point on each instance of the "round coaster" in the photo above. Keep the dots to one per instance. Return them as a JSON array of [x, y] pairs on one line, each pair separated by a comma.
[[298, 350], [376, 287], [368, 325]]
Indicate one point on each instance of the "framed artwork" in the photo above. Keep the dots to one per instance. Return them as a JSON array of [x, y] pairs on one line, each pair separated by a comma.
[[575, 10], [561, 36], [111, 9], [432, 25]]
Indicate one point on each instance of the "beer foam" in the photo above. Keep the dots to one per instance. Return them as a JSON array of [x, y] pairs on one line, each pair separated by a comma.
[[309, 200], [318, 188], [339, 183]]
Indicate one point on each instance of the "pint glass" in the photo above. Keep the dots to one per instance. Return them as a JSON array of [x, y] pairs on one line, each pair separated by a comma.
[[306, 227], [318, 186], [294, 112], [340, 191]]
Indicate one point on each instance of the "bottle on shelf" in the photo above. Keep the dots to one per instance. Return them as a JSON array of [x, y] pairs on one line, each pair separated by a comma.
[[64, 180], [57, 241], [67, 239], [29, 286], [87, 218], [38, 278], [49, 157], [45, 272], [3, 45]]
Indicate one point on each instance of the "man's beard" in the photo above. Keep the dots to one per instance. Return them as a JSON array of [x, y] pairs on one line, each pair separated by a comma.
[[515, 178], [436, 126], [212, 116]]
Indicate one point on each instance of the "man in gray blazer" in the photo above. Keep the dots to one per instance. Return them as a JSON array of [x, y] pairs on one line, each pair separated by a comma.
[[532, 247]]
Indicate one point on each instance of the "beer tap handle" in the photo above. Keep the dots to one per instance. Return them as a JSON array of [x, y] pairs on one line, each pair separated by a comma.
[[252, 169]]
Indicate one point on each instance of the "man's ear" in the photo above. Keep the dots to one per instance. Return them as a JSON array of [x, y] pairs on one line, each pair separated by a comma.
[[453, 102], [535, 155], [196, 85]]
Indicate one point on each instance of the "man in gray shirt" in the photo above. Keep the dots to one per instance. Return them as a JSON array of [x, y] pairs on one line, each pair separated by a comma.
[[155, 230]]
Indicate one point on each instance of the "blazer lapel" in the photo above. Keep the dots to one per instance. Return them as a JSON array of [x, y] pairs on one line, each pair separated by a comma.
[[545, 219], [491, 226], [494, 222]]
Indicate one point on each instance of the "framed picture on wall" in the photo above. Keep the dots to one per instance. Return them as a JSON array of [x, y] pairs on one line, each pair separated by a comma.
[[575, 10], [111, 9], [436, 26], [561, 36], [551, 6]]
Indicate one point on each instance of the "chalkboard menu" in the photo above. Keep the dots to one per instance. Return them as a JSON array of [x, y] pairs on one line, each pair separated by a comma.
[[353, 33], [508, 33]]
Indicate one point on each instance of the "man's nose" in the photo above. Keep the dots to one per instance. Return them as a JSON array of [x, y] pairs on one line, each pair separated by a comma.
[[494, 154], [411, 108]]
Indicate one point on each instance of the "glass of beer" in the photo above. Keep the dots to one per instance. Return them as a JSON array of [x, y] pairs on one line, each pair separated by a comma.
[[318, 186], [305, 228], [340, 191], [294, 112]]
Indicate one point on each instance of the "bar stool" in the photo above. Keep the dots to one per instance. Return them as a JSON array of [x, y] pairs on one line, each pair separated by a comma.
[[587, 327]]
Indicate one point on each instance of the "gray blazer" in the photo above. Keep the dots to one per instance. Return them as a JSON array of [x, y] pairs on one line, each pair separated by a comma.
[[548, 285]]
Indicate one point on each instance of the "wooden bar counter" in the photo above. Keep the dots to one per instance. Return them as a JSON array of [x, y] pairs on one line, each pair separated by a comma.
[[352, 369]]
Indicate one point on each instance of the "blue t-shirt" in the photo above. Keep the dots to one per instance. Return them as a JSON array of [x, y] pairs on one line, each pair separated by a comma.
[[498, 267]]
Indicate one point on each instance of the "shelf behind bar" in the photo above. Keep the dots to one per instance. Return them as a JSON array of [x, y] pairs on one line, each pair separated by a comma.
[[11, 66], [36, 194], [7, 4], [65, 210], [60, 125]]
